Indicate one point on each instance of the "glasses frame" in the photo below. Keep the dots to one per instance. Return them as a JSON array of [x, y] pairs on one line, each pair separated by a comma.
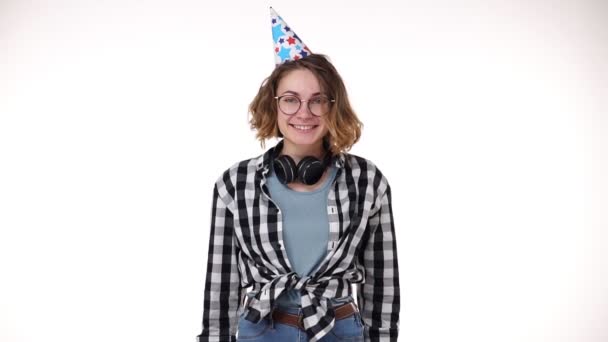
[[278, 98]]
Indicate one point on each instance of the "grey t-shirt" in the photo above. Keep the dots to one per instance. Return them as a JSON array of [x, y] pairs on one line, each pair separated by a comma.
[[305, 228]]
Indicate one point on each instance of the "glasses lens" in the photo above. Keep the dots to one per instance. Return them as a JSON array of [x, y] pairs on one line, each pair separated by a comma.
[[289, 104], [319, 105]]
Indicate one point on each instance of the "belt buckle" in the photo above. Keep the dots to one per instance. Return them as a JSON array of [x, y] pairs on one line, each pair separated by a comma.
[[301, 321]]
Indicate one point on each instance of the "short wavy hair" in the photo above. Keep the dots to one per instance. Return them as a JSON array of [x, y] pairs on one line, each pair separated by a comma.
[[344, 128]]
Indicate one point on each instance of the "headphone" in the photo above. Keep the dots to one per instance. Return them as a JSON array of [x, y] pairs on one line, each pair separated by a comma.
[[308, 171]]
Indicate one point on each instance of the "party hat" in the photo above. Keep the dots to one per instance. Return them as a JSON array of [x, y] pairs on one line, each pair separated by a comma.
[[287, 45]]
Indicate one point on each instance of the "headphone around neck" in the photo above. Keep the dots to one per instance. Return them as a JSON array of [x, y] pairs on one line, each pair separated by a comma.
[[308, 171]]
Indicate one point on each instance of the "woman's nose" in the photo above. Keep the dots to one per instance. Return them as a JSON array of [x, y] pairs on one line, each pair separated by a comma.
[[304, 110]]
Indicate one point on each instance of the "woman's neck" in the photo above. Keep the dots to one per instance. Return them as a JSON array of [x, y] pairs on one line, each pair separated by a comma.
[[297, 152]]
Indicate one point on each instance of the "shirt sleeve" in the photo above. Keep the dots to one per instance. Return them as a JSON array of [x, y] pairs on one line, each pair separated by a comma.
[[378, 296], [222, 294]]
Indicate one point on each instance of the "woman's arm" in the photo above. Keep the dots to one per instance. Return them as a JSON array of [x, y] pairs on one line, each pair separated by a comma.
[[378, 296], [222, 285]]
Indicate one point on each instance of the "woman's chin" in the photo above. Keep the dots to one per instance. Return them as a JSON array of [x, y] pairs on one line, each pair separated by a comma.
[[306, 140]]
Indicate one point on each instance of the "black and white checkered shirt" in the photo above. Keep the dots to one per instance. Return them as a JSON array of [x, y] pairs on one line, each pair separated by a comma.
[[246, 250]]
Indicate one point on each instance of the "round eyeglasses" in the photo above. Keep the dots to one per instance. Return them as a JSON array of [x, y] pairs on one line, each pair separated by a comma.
[[318, 105]]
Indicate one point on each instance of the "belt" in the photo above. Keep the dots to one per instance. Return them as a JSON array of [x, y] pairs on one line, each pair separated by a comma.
[[341, 311]]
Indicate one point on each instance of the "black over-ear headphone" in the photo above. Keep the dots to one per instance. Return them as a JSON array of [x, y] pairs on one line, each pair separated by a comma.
[[308, 171]]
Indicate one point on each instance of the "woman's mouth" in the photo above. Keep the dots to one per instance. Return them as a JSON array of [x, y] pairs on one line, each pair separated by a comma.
[[303, 128]]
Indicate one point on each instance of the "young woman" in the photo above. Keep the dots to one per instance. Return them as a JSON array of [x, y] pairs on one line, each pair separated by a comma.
[[295, 228]]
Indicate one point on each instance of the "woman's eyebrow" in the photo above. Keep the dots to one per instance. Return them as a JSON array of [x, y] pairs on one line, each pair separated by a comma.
[[296, 93], [291, 92]]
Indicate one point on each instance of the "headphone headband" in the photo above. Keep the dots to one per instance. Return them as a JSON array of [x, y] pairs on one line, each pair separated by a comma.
[[308, 171], [326, 158]]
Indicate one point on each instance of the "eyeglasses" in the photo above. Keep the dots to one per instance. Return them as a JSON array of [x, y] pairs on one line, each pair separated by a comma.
[[318, 105]]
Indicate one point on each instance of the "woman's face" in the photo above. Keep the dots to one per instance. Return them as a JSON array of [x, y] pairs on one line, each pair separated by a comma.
[[303, 127]]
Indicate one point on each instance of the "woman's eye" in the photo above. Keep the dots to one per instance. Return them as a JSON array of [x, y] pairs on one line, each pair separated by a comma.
[[290, 100]]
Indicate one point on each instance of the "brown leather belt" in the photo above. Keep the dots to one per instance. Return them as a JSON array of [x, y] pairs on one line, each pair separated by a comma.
[[341, 311]]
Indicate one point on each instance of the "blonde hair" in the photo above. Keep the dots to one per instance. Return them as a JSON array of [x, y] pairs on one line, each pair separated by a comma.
[[344, 128]]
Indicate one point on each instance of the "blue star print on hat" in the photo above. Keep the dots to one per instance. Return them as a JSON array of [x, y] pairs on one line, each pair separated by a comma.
[[287, 44]]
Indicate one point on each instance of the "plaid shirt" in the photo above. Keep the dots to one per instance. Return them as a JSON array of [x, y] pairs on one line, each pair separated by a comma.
[[246, 250]]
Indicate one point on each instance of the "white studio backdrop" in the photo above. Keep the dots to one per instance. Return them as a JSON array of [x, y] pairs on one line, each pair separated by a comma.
[[488, 118]]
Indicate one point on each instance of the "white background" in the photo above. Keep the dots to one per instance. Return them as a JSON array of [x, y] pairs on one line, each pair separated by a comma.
[[488, 118]]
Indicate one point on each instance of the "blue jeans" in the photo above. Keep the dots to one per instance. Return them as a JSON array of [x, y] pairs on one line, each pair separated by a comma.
[[348, 329]]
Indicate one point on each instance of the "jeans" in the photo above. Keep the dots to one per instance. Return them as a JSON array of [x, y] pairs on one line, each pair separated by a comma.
[[348, 329]]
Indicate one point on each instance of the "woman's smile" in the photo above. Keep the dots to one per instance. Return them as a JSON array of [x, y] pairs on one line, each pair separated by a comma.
[[304, 128]]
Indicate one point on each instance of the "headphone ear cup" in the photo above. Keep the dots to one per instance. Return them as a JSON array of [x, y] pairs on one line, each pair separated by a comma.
[[285, 168], [310, 170]]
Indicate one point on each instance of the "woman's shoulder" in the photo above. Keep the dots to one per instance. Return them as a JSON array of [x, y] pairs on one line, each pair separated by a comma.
[[366, 174], [360, 164], [240, 169]]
